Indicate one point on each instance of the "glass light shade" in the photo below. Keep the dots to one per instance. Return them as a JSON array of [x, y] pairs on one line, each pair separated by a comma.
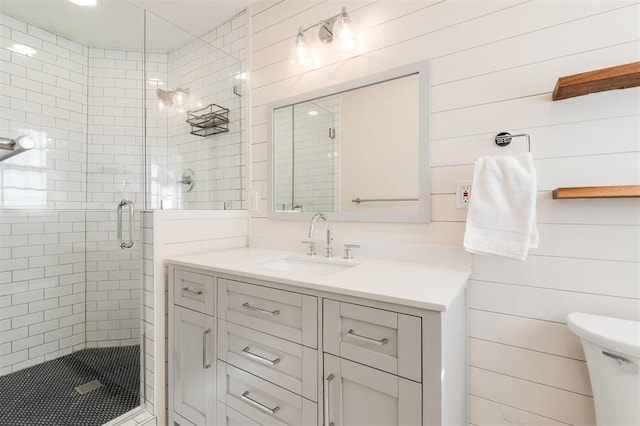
[[302, 53], [346, 33], [180, 98]]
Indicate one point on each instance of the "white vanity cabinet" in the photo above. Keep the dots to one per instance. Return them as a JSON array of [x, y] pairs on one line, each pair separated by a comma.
[[192, 353], [297, 355]]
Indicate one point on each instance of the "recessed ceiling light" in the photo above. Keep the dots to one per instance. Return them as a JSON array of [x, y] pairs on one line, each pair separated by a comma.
[[22, 49], [84, 2], [313, 112]]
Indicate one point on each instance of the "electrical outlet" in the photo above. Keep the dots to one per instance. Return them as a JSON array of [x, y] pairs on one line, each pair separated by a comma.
[[463, 194]]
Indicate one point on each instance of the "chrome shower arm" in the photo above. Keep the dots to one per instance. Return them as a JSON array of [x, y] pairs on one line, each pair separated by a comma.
[[15, 146]]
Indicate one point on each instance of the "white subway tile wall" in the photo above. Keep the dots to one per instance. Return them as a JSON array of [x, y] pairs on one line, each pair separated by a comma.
[[147, 366], [113, 282], [42, 250], [42, 286], [45, 97], [116, 125], [217, 161]]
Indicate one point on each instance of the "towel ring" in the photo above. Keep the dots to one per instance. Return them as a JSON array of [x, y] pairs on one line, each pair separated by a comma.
[[504, 139]]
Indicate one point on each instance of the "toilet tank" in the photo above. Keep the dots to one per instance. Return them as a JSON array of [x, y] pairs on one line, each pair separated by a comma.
[[612, 350]]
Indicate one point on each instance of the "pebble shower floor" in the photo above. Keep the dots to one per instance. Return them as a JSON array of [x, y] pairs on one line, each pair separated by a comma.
[[45, 395]]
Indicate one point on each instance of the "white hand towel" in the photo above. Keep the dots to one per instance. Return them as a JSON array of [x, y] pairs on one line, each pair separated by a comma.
[[502, 210]]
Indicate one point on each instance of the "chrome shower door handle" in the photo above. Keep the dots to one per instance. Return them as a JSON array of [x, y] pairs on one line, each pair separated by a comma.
[[125, 244]]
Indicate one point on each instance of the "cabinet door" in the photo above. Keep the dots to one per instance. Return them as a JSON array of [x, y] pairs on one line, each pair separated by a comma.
[[357, 395], [193, 372]]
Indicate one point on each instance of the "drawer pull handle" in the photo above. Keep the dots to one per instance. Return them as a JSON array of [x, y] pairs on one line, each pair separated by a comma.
[[257, 357], [255, 403], [246, 305], [188, 290], [205, 349], [380, 342], [327, 396]]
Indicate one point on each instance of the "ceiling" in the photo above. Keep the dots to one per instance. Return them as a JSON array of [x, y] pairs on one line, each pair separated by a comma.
[[119, 24]]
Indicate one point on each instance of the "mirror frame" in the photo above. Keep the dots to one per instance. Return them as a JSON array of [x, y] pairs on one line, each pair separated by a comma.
[[423, 212]]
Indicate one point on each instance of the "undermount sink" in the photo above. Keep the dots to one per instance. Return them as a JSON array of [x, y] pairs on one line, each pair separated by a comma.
[[316, 266]]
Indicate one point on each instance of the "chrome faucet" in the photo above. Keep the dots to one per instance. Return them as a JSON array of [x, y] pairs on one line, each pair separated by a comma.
[[328, 250]]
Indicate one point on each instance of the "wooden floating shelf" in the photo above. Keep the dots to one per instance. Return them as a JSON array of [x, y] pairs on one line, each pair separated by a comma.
[[618, 77], [620, 191]]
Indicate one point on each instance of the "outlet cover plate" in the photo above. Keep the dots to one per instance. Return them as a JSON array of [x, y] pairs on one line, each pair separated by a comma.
[[463, 194]]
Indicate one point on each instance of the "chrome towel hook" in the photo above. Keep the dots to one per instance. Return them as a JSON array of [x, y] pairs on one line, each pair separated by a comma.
[[504, 138]]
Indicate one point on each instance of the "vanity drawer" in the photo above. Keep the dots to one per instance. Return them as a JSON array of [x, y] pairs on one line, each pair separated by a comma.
[[262, 401], [386, 340], [230, 417], [287, 364], [194, 291], [291, 316]]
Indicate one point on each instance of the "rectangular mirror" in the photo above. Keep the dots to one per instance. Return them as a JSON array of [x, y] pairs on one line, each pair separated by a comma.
[[359, 150]]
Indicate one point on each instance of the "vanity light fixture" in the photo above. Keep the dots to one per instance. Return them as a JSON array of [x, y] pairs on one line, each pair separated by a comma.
[[343, 32]]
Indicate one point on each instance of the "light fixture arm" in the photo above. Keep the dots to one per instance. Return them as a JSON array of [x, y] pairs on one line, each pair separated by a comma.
[[326, 26]]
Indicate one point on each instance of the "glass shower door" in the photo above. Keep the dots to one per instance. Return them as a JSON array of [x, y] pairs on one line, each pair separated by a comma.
[[69, 295]]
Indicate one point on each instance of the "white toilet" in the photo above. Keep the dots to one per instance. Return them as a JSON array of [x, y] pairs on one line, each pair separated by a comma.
[[612, 349]]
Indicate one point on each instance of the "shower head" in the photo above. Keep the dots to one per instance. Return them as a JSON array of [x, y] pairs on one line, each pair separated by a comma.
[[166, 96], [15, 146]]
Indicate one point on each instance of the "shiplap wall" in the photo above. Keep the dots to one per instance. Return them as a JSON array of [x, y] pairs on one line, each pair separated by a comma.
[[494, 65]]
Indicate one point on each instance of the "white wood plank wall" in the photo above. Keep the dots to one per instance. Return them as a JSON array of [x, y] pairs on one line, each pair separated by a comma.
[[494, 66]]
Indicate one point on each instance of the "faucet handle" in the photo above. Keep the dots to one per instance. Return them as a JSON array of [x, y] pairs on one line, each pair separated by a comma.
[[347, 250], [311, 250]]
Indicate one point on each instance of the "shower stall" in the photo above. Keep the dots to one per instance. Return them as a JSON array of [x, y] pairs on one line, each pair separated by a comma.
[[105, 114]]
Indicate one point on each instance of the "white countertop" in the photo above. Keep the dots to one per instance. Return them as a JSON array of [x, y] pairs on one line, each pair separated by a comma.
[[426, 286]]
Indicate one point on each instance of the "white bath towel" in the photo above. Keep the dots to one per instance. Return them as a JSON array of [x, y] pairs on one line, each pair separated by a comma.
[[502, 210]]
